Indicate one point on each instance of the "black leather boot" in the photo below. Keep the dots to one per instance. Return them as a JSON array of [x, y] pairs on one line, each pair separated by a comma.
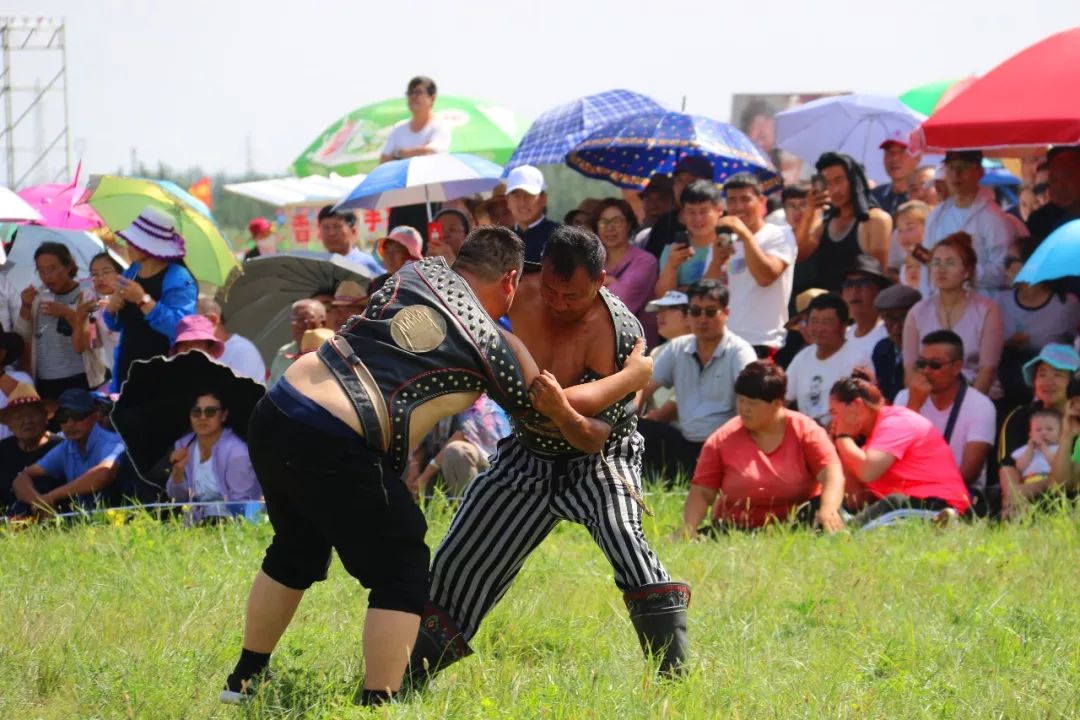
[[438, 644], [658, 612]]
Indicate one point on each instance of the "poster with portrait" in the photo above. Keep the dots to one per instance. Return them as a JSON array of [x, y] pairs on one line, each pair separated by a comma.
[[753, 113]]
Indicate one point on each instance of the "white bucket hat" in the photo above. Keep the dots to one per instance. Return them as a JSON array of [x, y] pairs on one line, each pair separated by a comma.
[[154, 232]]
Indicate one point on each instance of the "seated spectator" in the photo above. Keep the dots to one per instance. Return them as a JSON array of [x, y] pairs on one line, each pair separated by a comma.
[[630, 272], [402, 246], [1065, 470], [893, 305], [54, 321], [1033, 460], [11, 349], [964, 416], [305, 315], [79, 468], [910, 226], [831, 357], [702, 368], [349, 300], [975, 318], [683, 261], [455, 225], [196, 332], [671, 321], [339, 234], [922, 186], [105, 273], [210, 464], [240, 354], [526, 197], [1049, 374], [458, 448], [27, 419], [862, 283], [798, 328], [904, 462], [766, 464]]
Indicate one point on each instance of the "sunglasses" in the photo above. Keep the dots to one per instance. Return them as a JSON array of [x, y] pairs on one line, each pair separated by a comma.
[[699, 311], [923, 363], [64, 415], [206, 412]]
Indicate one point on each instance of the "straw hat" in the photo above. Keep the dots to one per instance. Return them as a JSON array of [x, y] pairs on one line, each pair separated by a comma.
[[311, 341], [154, 232], [23, 395]]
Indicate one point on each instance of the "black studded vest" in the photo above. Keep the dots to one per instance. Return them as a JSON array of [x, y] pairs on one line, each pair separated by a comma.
[[423, 335], [539, 434]]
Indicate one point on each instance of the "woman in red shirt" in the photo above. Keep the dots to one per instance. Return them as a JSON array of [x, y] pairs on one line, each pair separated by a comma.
[[904, 463]]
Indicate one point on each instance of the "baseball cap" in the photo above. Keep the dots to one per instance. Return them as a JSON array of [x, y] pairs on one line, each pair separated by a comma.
[[897, 297], [974, 157], [77, 400], [259, 226], [526, 178], [672, 298], [1057, 355], [897, 137]]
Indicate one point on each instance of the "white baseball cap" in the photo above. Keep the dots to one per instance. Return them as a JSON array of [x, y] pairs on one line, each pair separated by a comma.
[[672, 298], [527, 178]]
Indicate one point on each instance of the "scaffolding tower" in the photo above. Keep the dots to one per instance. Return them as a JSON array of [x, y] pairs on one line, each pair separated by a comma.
[[36, 138]]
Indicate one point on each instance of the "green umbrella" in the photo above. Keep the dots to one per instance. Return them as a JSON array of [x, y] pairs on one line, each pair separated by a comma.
[[927, 99], [119, 200], [351, 145]]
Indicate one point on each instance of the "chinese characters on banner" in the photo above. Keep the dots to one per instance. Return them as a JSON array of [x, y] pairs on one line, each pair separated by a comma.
[[371, 226]]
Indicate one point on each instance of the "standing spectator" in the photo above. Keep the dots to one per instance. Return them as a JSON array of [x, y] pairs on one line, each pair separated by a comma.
[[402, 246], [526, 197], [975, 318], [421, 134], [910, 227], [702, 367], [971, 209], [240, 354], [905, 461], [862, 283], [338, 233], [630, 272], [349, 300], [762, 259], [27, 420], [55, 321], [922, 187], [495, 210], [851, 225], [152, 295], [831, 357], [793, 202], [263, 238], [80, 467], [105, 274], [684, 260], [964, 416], [657, 200], [766, 464], [899, 164], [669, 226], [893, 305], [455, 225], [305, 315], [1058, 188]]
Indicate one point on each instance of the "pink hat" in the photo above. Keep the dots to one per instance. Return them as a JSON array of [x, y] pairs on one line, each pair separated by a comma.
[[197, 327], [409, 237]]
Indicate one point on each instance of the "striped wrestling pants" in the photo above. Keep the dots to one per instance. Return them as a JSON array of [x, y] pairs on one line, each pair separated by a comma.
[[509, 510]]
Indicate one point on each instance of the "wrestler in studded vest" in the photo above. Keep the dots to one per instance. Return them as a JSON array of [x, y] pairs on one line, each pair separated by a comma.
[[433, 339]]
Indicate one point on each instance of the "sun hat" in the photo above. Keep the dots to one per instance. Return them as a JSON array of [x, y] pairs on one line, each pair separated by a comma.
[[154, 232], [311, 341], [23, 395], [408, 237], [672, 298], [348, 292], [869, 265], [527, 179], [197, 327], [1057, 355]]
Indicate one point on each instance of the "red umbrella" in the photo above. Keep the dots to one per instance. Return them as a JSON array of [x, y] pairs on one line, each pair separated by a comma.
[[1025, 102]]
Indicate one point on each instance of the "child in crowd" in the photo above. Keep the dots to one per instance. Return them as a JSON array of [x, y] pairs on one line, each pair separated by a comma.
[[1034, 459], [904, 264]]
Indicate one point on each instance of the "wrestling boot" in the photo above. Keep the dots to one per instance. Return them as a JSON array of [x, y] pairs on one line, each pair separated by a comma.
[[658, 612], [439, 644]]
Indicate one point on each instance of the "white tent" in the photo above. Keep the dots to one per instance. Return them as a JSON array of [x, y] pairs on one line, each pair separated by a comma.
[[308, 191]]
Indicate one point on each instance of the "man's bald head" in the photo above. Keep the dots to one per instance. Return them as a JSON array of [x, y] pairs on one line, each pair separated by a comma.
[[306, 314]]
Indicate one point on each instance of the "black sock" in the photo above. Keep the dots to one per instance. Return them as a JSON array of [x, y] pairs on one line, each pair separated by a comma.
[[374, 697], [249, 665]]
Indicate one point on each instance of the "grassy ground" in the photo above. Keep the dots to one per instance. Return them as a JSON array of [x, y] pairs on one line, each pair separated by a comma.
[[144, 620]]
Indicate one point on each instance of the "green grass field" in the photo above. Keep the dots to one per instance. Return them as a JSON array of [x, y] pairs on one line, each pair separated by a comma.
[[143, 620]]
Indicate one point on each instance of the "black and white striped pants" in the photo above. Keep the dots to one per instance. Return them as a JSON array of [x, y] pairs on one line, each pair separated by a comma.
[[509, 510]]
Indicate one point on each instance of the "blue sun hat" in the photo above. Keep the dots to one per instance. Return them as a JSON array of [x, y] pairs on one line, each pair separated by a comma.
[[1057, 355]]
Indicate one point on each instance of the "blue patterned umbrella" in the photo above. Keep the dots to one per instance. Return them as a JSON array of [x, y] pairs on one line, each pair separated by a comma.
[[629, 152], [557, 131]]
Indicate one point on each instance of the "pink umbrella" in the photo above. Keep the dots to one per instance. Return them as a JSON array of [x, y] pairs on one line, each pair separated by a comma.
[[61, 206]]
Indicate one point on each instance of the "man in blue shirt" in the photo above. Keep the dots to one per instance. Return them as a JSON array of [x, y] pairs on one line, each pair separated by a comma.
[[81, 466]]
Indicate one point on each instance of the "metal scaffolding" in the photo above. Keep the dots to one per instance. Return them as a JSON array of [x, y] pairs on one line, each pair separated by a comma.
[[34, 45]]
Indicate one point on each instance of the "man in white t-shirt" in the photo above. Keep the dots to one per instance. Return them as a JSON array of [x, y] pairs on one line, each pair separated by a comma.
[[937, 386], [422, 134], [240, 353], [862, 283], [817, 367], [762, 259]]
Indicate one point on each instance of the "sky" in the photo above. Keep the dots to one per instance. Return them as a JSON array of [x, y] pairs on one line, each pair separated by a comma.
[[230, 83]]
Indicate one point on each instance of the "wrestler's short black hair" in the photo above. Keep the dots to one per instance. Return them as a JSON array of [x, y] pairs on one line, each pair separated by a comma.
[[490, 251], [701, 191], [328, 211], [571, 247]]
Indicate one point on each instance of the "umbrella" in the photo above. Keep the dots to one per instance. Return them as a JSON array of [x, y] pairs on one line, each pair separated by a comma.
[[629, 152], [19, 268], [310, 191], [852, 124], [60, 206], [119, 200], [258, 305], [152, 411], [14, 209], [1017, 105], [423, 179], [928, 99], [557, 131], [1056, 257], [351, 145]]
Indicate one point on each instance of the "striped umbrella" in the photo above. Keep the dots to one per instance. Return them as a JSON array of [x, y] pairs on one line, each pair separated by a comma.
[[423, 179]]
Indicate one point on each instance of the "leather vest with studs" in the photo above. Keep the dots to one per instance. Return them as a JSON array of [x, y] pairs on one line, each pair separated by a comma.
[[423, 335], [539, 434]]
